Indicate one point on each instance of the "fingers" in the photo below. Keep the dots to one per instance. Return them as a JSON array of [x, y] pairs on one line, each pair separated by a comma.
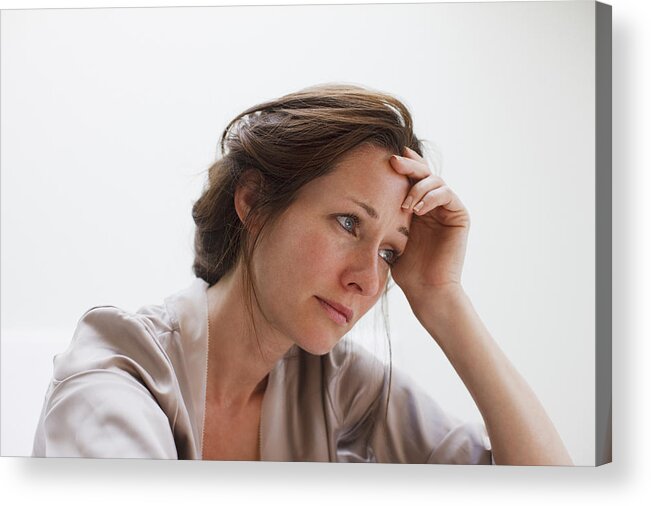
[[410, 153], [428, 191], [429, 194], [410, 167]]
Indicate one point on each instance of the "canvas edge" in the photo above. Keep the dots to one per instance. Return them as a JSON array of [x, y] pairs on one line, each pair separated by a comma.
[[603, 233]]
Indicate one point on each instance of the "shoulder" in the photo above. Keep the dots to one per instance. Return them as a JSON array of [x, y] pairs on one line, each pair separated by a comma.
[[130, 383], [133, 348], [112, 392], [381, 405], [108, 337]]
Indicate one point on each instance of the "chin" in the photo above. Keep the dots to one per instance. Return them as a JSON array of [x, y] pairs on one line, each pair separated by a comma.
[[319, 346]]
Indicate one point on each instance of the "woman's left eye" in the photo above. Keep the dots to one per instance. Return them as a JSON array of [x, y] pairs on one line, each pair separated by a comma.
[[389, 256]]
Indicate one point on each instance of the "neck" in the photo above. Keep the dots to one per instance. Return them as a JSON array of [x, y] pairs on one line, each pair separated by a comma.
[[239, 358]]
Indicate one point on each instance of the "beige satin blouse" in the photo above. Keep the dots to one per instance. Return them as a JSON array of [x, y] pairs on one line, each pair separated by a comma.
[[133, 385]]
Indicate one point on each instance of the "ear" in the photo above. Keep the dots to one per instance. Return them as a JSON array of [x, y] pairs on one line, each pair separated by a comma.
[[247, 193]]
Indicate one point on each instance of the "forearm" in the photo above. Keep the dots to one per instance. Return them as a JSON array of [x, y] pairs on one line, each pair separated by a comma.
[[520, 431]]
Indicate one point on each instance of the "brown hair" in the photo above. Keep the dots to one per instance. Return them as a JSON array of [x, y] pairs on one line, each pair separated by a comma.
[[287, 143]]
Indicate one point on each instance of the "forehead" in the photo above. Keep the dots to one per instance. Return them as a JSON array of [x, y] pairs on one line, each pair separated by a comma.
[[364, 174]]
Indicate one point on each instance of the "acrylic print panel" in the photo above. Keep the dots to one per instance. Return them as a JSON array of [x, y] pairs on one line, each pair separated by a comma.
[[110, 118]]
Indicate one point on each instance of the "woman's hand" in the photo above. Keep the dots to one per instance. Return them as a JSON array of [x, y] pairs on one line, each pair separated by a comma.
[[433, 259]]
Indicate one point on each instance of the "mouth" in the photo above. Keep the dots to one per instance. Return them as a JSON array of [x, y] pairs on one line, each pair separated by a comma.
[[340, 314]]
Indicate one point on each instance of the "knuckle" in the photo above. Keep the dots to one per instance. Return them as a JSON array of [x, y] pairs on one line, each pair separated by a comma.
[[424, 185], [429, 197]]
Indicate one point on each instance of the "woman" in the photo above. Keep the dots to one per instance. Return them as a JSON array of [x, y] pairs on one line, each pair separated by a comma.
[[320, 196]]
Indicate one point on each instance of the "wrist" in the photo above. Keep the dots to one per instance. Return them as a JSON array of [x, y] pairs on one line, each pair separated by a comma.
[[438, 303], [450, 318]]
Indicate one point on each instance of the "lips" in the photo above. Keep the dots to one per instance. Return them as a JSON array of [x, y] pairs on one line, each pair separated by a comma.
[[343, 310]]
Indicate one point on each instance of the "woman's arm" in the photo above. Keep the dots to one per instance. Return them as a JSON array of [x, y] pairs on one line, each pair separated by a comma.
[[520, 431], [429, 273]]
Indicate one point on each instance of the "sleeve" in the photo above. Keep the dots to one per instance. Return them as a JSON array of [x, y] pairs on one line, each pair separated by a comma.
[[396, 421], [111, 395], [103, 414], [415, 429]]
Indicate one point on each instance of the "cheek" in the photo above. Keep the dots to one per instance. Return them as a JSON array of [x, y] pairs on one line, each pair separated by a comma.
[[299, 256], [316, 256]]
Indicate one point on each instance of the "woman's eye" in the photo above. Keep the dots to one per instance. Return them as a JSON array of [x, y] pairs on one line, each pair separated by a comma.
[[348, 222], [389, 256]]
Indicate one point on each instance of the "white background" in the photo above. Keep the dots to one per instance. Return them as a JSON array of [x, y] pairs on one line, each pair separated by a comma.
[[363, 483], [102, 143], [111, 116]]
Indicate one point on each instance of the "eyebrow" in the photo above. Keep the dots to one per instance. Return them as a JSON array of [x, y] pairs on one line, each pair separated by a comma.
[[373, 214]]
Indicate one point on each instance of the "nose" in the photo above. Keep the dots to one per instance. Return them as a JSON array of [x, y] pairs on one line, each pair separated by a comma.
[[362, 274]]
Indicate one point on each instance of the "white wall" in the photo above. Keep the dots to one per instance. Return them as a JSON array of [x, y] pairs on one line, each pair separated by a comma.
[[110, 116]]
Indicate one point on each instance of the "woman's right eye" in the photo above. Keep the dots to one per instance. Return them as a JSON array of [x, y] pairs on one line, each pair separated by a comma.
[[348, 222]]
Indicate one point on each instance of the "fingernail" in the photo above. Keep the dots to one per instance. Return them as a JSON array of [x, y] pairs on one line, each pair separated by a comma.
[[419, 206], [407, 202], [396, 157]]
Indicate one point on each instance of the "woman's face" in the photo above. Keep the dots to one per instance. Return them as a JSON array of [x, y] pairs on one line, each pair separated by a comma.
[[325, 262]]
